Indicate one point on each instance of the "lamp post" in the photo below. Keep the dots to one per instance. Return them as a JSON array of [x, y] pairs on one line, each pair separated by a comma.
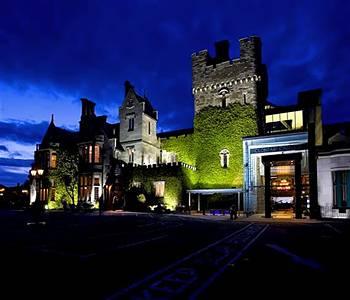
[[36, 174]]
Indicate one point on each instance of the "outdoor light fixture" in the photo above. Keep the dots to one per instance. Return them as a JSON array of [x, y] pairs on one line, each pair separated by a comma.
[[40, 172], [33, 172]]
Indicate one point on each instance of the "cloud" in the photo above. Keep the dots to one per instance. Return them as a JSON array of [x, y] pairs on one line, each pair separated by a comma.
[[52, 54], [26, 132], [3, 148], [14, 171]]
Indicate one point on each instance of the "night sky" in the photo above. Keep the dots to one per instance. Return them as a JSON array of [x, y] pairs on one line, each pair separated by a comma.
[[52, 53]]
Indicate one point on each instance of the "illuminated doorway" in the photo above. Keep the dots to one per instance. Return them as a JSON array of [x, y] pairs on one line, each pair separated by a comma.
[[283, 189], [283, 185]]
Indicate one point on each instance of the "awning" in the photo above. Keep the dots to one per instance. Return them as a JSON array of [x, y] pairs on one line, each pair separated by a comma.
[[214, 191]]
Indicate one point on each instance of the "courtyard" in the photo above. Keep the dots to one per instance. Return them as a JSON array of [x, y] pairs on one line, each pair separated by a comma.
[[137, 256]]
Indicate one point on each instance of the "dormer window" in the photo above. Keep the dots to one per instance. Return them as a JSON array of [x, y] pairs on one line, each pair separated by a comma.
[[224, 158]]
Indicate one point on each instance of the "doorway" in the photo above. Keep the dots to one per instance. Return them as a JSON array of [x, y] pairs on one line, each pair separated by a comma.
[[283, 186]]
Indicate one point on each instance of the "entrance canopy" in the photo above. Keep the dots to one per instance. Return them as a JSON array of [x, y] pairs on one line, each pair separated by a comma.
[[215, 191]]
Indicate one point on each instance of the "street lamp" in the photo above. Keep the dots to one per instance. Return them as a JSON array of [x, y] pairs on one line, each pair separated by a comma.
[[36, 174]]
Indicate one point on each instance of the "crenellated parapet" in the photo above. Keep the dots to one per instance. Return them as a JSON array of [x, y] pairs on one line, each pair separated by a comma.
[[220, 81]]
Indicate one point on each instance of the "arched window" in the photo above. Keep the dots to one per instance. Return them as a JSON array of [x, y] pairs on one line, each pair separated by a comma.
[[223, 102], [224, 158]]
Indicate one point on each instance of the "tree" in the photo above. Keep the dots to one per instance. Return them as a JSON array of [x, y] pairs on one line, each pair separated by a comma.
[[66, 173]]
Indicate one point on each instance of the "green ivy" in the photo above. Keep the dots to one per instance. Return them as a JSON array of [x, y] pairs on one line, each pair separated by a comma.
[[175, 177], [215, 129]]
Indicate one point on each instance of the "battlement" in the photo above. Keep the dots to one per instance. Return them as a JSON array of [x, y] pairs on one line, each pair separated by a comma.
[[250, 49], [167, 165], [220, 80]]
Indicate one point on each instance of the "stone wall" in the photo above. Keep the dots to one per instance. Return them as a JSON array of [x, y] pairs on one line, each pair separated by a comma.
[[219, 81]]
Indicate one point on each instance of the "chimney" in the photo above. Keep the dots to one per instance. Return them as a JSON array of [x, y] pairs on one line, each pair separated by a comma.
[[222, 49], [87, 108]]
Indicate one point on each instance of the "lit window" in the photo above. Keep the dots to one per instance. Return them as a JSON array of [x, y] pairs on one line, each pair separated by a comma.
[[224, 158], [90, 154], [159, 187], [96, 193], [131, 124], [85, 187], [136, 184], [53, 163], [97, 154]]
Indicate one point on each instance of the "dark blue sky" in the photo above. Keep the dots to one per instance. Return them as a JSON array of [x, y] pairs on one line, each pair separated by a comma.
[[52, 53]]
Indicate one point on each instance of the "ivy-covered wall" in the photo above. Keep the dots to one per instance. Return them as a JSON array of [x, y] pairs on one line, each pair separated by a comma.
[[176, 181], [182, 146], [215, 129]]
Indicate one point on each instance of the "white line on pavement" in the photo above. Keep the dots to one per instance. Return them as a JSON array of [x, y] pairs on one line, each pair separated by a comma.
[[177, 262], [295, 258], [211, 279]]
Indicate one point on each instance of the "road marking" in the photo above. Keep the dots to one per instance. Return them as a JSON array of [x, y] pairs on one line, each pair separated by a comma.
[[189, 272], [123, 246], [295, 258], [333, 228], [231, 262]]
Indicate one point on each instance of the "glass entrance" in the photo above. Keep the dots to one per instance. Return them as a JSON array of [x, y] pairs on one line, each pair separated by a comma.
[[283, 189]]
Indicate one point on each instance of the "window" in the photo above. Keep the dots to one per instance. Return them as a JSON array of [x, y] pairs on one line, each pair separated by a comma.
[[224, 158], [136, 184], [96, 193], [53, 192], [90, 154], [287, 121], [131, 152], [223, 102], [85, 183], [159, 187], [97, 181], [53, 163], [131, 124], [341, 189], [97, 158], [245, 99], [149, 128]]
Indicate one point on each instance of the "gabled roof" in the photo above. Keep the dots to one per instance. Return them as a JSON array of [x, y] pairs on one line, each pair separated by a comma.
[[149, 110], [58, 135]]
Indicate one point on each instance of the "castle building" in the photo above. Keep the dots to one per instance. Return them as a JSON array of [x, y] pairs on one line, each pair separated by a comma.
[[241, 148]]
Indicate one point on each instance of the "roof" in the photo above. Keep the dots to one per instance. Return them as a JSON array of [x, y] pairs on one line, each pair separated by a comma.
[[215, 191], [148, 106], [58, 135], [175, 133]]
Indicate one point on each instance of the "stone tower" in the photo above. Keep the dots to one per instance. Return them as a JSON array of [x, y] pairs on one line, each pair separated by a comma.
[[219, 81], [138, 129]]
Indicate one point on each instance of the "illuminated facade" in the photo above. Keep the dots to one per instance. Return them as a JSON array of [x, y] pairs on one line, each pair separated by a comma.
[[240, 144]]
